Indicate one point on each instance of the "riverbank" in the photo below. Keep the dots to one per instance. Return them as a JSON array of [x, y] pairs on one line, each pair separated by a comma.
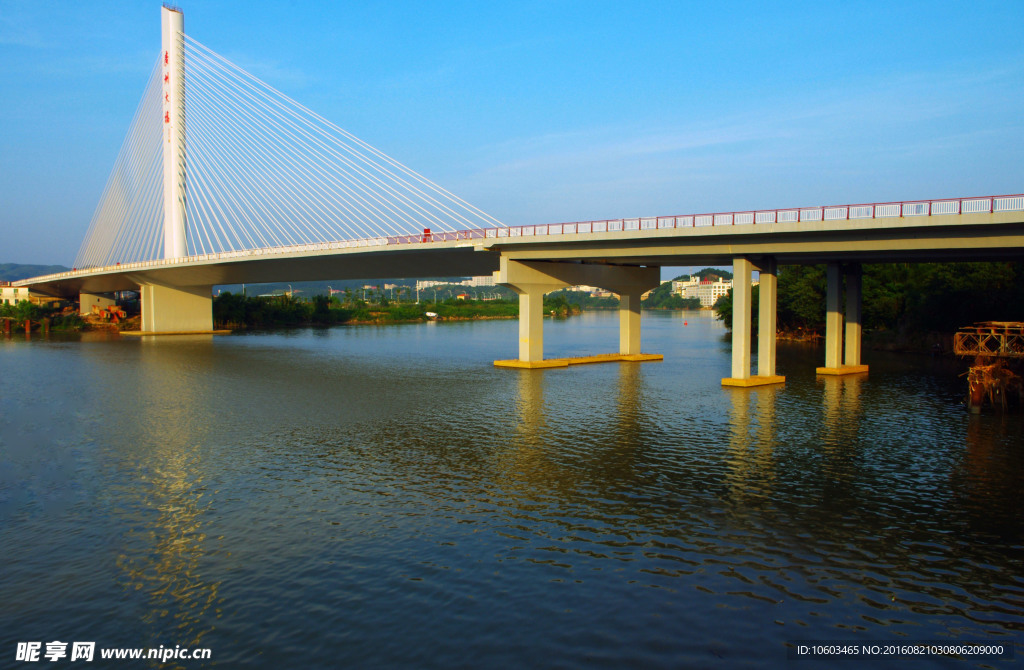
[[241, 312], [905, 307], [932, 343]]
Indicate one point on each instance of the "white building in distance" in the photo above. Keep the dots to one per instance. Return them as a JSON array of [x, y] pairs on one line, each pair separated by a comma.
[[12, 295], [686, 288], [486, 280], [709, 291]]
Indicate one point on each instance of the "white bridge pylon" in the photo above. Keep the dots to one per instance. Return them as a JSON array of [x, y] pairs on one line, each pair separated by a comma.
[[238, 165]]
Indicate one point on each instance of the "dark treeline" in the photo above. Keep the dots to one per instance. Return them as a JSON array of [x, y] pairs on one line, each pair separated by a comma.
[[232, 310], [903, 298]]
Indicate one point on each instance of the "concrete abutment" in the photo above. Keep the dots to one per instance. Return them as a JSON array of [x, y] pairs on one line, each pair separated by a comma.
[[167, 309]]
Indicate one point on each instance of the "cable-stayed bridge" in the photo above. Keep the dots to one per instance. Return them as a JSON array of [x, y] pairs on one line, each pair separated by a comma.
[[222, 179]]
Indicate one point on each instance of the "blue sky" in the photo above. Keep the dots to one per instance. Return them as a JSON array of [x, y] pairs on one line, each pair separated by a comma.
[[541, 112]]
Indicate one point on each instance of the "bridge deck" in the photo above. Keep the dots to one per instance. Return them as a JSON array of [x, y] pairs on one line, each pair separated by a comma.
[[963, 229]]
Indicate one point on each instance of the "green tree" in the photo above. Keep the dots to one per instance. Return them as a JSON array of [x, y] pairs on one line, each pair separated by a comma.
[[905, 297], [801, 300], [708, 272], [321, 309], [724, 308]]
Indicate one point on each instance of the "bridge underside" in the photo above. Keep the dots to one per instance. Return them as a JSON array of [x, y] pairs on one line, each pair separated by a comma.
[[423, 262]]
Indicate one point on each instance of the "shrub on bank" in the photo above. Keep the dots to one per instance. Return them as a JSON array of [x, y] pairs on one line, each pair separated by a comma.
[[25, 310]]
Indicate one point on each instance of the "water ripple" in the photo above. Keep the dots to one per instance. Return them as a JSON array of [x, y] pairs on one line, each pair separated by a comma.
[[335, 499]]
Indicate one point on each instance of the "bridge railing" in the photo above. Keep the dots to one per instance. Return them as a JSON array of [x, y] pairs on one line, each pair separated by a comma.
[[907, 209], [875, 210]]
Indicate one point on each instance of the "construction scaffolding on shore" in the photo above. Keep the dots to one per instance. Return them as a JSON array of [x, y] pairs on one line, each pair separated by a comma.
[[996, 346]]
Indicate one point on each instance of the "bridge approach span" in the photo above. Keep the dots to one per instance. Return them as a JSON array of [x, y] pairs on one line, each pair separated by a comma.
[[955, 237]]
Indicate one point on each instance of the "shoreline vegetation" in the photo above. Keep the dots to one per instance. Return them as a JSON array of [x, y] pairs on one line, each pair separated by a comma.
[[232, 311], [239, 312], [909, 307], [61, 320]]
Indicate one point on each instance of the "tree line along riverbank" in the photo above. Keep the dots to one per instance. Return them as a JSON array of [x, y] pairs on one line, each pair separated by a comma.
[[57, 319], [906, 306], [236, 311]]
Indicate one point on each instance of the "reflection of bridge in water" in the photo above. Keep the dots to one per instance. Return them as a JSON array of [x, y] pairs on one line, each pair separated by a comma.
[[261, 189]]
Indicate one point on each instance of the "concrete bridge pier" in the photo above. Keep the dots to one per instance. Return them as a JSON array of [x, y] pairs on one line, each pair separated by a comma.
[[742, 297], [531, 291], [768, 299], [854, 280], [531, 280], [629, 320], [835, 364], [176, 309]]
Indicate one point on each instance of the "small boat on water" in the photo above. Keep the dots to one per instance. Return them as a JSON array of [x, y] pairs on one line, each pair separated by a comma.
[[431, 315]]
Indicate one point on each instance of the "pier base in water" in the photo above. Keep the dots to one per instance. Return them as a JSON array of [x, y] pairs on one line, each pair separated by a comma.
[[577, 360], [756, 380], [143, 333], [843, 370]]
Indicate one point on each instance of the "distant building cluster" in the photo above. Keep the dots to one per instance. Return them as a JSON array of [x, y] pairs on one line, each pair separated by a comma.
[[486, 280], [592, 291], [708, 290]]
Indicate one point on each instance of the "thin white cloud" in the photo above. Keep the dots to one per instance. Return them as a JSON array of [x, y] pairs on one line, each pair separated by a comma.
[[830, 125], [18, 30], [273, 72], [903, 136]]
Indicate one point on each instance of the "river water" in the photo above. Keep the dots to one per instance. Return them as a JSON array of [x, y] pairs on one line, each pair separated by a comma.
[[383, 497]]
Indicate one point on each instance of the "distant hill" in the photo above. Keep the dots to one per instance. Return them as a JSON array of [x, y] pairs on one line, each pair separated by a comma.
[[14, 271]]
